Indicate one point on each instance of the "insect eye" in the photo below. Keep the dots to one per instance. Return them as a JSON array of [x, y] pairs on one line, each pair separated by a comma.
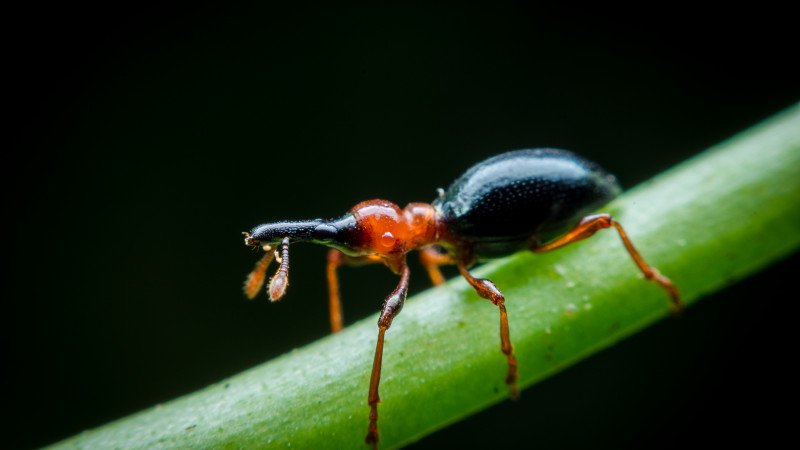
[[324, 232]]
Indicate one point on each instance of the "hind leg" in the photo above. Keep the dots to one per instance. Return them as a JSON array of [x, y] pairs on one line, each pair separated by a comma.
[[589, 225]]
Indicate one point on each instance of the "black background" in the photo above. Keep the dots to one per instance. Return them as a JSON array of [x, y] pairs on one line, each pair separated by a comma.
[[145, 139]]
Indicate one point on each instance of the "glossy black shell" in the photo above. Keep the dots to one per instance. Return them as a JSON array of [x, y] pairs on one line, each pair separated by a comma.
[[511, 200]]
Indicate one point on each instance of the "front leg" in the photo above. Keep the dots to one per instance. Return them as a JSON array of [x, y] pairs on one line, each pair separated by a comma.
[[337, 259], [391, 307]]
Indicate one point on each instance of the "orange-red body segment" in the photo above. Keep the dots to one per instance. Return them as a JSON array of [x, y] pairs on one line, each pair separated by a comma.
[[385, 229]]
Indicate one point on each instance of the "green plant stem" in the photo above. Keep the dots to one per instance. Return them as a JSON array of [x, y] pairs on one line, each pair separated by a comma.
[[706, 223]]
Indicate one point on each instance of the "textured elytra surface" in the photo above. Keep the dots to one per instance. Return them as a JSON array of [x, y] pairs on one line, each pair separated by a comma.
[[522, 193]]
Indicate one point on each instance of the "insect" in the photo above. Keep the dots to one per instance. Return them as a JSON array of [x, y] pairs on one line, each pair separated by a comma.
[[525, 200]]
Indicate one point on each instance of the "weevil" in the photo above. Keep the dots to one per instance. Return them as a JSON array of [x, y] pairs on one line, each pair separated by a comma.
[[525, 200]]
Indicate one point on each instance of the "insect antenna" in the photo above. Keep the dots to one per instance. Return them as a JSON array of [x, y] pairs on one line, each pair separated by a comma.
[[255, 279], [279, 283]]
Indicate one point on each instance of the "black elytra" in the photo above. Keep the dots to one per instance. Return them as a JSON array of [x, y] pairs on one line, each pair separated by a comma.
[[501, 205]]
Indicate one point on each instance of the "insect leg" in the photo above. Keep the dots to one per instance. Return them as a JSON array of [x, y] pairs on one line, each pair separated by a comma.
[[391, 307], [431, 258], [486, 289], [589, 225], [337, 259], [334, 303]]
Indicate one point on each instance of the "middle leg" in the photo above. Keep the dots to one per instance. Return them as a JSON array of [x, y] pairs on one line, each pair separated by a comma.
[[431, 258], [486, 289]]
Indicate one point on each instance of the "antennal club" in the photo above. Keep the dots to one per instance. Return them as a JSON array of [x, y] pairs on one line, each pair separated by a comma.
[[255, 280]]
